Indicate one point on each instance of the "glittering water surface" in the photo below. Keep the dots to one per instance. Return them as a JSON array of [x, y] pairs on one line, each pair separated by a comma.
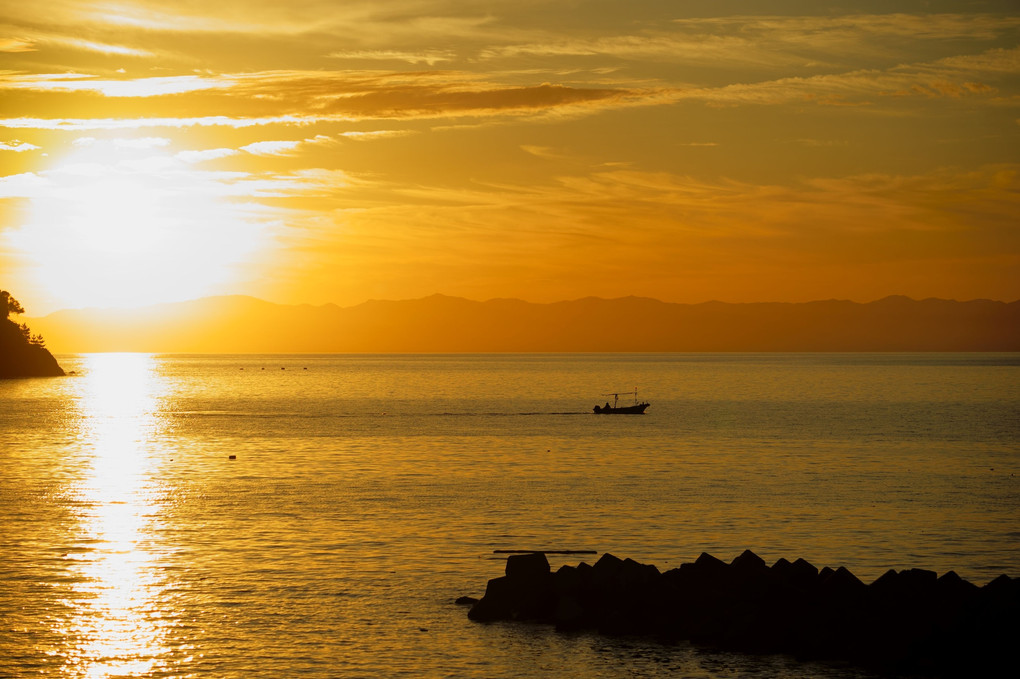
[[368, 492]]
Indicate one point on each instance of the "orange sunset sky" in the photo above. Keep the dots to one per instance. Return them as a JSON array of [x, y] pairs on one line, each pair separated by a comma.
[[687, 150]]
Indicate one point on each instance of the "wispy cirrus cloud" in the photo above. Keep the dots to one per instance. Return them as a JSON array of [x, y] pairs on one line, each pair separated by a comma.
[[268, 148], [362, 22], [359, 135], [306, 98], [951, 77], [271, 148], [33, 39], [429, 57], [820, 30], [127, 87], [204, 155], [96, 124], [103, 48], [769, 41], [309, 97], [14, 45]]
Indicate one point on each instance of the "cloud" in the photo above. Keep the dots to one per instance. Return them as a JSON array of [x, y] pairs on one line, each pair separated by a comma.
[[204, 155], [305, 97], [365, 22], [86, 124], [438, 100], [103, 48], [17, 146], [13, 45], [375, 134], [271, 148], [24, 185], [541, 151], [703, 49], [820, 31], [137, 87], [429, 57], [949, 77], [142, 143], [769, 41]]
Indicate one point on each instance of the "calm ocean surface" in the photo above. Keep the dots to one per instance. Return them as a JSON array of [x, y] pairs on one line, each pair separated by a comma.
[[368, 492]]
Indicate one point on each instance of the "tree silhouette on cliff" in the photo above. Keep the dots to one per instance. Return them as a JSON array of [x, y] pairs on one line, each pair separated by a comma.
[[9, 305], [22, 354]]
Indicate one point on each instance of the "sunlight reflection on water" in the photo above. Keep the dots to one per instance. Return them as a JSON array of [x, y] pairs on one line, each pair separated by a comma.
[[117, 628]]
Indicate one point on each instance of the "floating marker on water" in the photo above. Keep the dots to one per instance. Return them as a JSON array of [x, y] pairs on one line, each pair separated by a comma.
[[232, 457]]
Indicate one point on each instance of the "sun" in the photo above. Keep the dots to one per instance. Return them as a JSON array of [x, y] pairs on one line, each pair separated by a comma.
[[130, 225]]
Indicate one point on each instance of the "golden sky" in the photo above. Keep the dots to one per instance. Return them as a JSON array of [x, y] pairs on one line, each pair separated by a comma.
[[322, 151]]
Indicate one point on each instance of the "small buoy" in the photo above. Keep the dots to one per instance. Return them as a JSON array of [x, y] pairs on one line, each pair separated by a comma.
[[232, 457], [282, 368], [304, 368]]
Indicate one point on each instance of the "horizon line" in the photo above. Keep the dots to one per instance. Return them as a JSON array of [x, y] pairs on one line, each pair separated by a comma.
[[504, 299]]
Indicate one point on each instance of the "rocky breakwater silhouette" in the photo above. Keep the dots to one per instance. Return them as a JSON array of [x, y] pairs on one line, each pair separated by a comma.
[[910, 620]]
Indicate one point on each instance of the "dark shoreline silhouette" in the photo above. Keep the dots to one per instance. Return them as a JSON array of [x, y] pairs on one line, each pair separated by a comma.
[[909, 621], [21, 353]]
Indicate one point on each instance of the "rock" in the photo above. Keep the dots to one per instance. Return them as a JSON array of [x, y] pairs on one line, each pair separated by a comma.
[[804, 570], [21, 359], [568, 614], [524, 593], [749, 562], [497, 602], [528, 566], [887, 583], [605, 569], [21, 353], [951, 584], [907, 621], [633, 575]]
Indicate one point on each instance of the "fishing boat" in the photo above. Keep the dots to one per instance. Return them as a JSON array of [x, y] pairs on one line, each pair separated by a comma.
[[617, 409]]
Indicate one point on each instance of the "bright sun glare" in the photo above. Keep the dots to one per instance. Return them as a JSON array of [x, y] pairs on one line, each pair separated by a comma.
[[125, 225]]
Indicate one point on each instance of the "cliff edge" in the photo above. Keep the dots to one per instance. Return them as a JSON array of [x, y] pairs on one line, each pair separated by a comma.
[[21, 353]]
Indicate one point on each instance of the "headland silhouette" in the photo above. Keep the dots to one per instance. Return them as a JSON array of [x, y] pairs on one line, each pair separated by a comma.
[[22, 354]]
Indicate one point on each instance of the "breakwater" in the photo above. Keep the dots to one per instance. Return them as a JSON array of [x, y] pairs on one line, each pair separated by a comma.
[[905, 621]]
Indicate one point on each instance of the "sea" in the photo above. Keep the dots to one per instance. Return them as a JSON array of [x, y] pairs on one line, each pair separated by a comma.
[[315, 516]]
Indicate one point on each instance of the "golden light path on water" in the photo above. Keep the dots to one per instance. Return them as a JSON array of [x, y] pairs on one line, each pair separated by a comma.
[[117, 628]]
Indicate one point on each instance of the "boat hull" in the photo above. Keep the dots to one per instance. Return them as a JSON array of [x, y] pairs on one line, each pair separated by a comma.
[[638, 409]]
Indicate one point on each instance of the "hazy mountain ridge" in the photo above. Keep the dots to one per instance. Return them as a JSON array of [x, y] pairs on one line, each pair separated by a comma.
[[451, 324]]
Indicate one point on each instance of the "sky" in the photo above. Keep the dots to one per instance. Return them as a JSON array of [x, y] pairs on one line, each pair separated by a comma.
[[316, 151]]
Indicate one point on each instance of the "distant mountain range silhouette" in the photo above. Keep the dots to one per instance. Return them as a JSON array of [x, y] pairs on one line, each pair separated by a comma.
[[440, 323]]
